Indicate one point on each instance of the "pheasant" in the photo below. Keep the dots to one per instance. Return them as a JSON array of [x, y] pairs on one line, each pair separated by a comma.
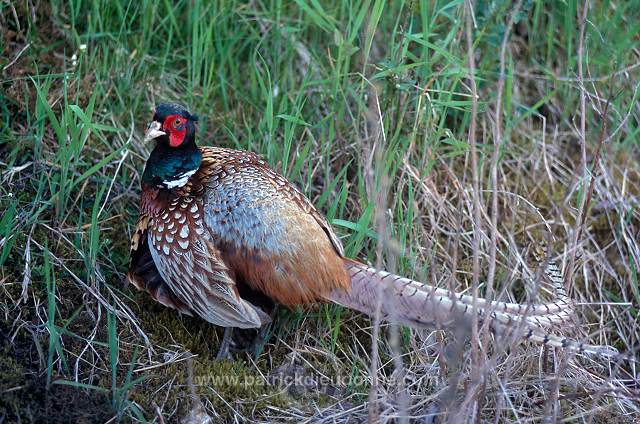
[[223, 236]]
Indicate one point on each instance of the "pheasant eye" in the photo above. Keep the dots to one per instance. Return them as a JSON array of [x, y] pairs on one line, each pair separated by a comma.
[[177, 122]]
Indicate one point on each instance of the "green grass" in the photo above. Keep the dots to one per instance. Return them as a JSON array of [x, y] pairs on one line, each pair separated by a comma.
[[365, 105]]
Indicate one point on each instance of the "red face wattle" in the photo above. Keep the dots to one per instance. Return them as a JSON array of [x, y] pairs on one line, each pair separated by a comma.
[[176, 126]]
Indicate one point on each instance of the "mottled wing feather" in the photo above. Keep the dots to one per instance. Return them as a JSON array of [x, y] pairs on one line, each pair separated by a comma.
[[287, 191], [144, 274], [186, 257], [269, 235], [223, 163], [139, 233]]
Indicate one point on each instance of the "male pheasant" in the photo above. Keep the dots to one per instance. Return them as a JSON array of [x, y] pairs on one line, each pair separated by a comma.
[[223, 236]]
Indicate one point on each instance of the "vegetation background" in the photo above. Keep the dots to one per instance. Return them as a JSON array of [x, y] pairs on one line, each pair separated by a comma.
[[427, 159]]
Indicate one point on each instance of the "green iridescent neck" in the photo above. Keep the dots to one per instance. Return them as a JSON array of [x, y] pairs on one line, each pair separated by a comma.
[[170, 167]]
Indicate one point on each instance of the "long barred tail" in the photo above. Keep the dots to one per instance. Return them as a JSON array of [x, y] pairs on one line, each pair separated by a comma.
[[408, 302], [556, 311]]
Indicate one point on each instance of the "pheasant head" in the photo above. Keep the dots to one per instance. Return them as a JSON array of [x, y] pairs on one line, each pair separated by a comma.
[[176, 156]]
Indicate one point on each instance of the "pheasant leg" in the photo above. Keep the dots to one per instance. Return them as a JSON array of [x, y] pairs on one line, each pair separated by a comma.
[[223, 352], [257, 344]]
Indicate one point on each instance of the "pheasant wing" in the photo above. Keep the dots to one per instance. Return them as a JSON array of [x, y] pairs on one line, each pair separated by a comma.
[[144, 274], [269, 235], [190, 264]]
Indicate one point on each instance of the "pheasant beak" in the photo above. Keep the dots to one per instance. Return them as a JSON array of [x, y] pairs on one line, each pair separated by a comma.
[[153, 131]]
